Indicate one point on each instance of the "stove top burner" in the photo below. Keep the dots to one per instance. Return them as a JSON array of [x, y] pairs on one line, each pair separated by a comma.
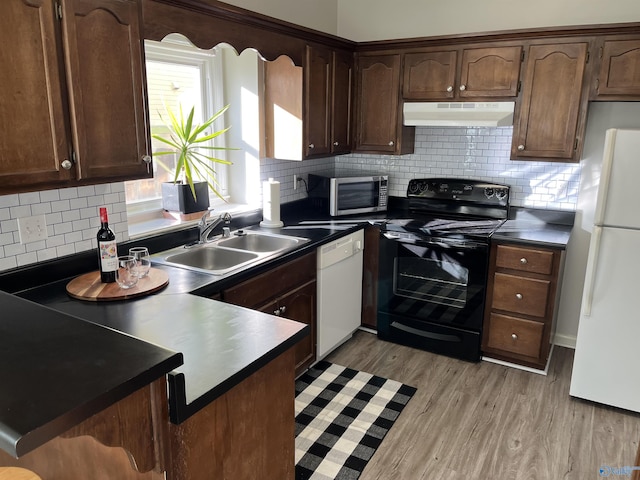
[[428, 228]]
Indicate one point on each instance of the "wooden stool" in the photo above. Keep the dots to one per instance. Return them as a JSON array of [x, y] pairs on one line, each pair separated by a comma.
[[15, 473]]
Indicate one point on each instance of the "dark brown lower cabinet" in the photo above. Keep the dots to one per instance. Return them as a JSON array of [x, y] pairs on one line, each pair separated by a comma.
[[288, 290], [521, 304]]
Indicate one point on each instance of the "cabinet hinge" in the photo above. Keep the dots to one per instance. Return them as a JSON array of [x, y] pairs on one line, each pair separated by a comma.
[[73, 157], [588, 55], [522, 56], [59, 10], [601, 52], [597, 84], [519, 85], [575, 144]]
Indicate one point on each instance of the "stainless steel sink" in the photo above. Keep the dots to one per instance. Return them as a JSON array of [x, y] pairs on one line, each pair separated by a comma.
[[212, 258], [224, 255], [253, 242]]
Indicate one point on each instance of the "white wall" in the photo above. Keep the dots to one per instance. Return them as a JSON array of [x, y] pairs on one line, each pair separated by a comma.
[[366, 20], [316, 14], [601, 117], [363, 20]]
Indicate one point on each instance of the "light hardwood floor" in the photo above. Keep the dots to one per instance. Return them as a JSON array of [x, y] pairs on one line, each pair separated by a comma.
[[489, 422]]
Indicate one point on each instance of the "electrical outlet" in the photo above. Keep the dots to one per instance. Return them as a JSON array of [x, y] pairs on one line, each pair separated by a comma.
[[32, 229], [295, 181]]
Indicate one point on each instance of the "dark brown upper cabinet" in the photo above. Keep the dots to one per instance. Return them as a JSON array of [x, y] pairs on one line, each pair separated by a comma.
[[549, 121], [73, 109], [379, 126], [341, 101], [463, 73], [328, 77], [619, 69]]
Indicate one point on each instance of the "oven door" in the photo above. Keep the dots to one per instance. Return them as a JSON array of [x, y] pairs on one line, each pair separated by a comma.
[[431, 294]]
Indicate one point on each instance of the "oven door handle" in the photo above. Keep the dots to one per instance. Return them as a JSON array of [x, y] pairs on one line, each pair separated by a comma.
[[435, 336], [466, 245]]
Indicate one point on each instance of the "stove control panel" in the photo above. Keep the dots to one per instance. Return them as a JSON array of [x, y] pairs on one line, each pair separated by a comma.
[[453, 189]]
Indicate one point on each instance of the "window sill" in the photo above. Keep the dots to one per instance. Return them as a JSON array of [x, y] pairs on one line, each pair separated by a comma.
[[151, 223]]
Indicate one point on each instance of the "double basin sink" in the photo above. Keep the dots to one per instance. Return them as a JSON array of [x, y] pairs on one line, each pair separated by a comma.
[[226, 254]]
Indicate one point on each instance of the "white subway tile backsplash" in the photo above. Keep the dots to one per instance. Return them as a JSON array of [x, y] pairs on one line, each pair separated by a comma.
[[9, 201], [480, 153], [29, 198], [72, 221]]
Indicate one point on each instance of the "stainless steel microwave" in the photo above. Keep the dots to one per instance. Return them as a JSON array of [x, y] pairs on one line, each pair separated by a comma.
[[350, 194]]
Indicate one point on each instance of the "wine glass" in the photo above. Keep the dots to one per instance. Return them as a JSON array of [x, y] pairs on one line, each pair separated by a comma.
[[125, 274], [143, 262]]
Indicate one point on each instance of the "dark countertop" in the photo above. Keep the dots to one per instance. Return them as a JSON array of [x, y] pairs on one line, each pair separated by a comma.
[[221, 344], [546, 228], [58, 371]]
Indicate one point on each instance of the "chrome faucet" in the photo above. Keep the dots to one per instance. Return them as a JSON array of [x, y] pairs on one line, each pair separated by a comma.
[[207, 228]]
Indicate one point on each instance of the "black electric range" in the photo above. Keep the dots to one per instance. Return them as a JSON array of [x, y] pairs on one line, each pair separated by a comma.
[[433, 265]]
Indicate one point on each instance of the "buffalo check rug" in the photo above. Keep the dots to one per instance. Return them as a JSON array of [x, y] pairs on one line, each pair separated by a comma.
[[342, 415]]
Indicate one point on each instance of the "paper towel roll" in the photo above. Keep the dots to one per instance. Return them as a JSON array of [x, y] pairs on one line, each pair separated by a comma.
[[271, 204]]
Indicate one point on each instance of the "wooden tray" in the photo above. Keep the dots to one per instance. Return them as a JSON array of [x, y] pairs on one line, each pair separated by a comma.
[[89, 287]]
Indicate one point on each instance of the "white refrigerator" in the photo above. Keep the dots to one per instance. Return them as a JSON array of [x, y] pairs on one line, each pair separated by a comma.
[[605, 366]]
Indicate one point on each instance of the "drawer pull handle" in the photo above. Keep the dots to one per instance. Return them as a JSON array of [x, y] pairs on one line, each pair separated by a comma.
[[514, 336], [523, 261], [519, 296]]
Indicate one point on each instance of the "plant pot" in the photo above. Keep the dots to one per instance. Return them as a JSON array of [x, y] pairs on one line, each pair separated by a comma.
[[177, 197]]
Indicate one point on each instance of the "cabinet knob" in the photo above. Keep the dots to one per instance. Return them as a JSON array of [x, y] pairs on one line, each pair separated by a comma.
[[463, 88], [514, 336], [311, 146], [520, 148], [391, 143], [66, 164], [523, 261], [519, 296], [147, 160], [283, 310], [450, 88], [335, 144], [276, 312]]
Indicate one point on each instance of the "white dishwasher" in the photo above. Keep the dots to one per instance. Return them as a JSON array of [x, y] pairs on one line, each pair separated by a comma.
[[339, 291]]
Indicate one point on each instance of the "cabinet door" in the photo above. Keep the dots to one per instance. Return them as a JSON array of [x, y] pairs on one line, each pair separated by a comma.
[[317, 116], [34, 141], [429, 75], [620, 69], [490, 72], [299, 305], [552, 114], [341, 98], [106, 81], [377, 120]]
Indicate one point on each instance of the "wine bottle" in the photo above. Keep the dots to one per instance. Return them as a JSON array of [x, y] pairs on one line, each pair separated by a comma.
[[107, 249]]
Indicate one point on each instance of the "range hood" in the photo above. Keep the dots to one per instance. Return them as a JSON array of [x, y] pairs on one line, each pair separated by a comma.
[[458, 114]]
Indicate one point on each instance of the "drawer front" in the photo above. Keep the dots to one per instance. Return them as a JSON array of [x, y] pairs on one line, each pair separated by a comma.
[[515, 335], [262, 288], [528, 296], [525, 259]]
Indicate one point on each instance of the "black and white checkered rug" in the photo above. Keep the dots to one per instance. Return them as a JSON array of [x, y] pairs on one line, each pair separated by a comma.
[[342, 415]]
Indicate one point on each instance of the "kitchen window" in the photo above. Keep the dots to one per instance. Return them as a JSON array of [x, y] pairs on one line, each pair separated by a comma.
[[177, 74]]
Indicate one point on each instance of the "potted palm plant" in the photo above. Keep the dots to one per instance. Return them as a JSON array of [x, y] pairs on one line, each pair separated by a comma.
[[194, 174]]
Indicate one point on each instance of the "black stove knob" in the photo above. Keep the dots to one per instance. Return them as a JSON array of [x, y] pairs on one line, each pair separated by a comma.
[[501, 193], [489, 192], [413, 187]]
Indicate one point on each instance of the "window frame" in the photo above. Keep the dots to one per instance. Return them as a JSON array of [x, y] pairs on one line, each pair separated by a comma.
[[178, 50]]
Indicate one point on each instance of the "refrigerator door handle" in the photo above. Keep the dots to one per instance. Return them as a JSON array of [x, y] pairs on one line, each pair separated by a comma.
[[605, 176], [592, 267]]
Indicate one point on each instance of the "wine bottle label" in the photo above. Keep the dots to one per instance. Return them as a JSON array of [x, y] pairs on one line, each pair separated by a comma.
[[108, 256]]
